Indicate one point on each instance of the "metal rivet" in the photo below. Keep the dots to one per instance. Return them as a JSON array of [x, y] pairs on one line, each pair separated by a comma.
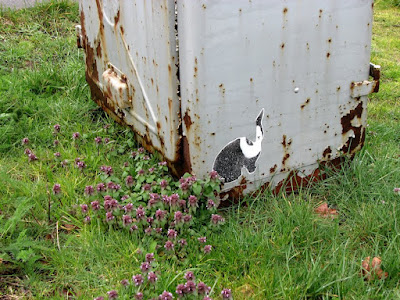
[[296, 90]]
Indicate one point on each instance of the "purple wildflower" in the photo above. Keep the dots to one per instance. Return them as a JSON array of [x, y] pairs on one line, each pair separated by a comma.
[[193, 202], [172, 234], [166, 296], [213, 175], [99, 298], [180, 290], [163, 183], [178, 216], [155, 196], [202, 239], [202, 288], [210, 204], [396, 190], [128, 207], [56, 142], [151, 170], [158, 230], [207, 249], [27, 151], [141, 172], [150, 220], [95, 205], [125, 164], [57, 128], [133, 154], [182, 203], [145, 267], [189, 275], [124, 197], [101, 187], [165, 199], [57, 154], [89, 190], [141, 150], [169, 245], [137, 279], [129, 181], [107, 170], [125, 282], [106, 140], [184, 185], [207, 298], [190, 287], [148, 230], [87, 219], [84, 208], [25, 141], [162, 163], [149, 257], [152, 277], [107, 198], [56, 189], [187, 218], [110, 185], [76, 135], [81, 165], [32, 157], [139, 296], [109, 216], [112, 294], [147, 187], [98, 140], [126, 220], [160, 214], [216, 219], [146, 157], [174, 199], [133, 228], [64, 163], [226, 294], [140, 213], [182, 242]]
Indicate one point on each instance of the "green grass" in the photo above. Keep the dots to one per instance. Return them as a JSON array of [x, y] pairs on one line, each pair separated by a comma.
[[271, 247]]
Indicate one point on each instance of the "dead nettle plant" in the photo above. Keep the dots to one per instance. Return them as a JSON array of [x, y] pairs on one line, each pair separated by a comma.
[[173, 216]]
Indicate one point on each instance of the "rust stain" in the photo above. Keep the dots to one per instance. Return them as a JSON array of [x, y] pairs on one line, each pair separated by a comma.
[[285, 10], [152, 81], [187, 120], [273, 169], [122, 29], [98, 50], [330, 40], [282, 46], [356, 142], [285, 158], [116, 18], [305, 103], [328, 54], [327, 153], [222, 88], [251, 79], [284, 141], [204, 6], [320, 13]]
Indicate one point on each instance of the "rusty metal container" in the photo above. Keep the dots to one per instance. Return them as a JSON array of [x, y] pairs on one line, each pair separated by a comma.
[[263, 92]]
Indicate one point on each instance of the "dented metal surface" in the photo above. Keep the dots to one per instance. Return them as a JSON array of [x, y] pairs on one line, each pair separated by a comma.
[[304, 65]]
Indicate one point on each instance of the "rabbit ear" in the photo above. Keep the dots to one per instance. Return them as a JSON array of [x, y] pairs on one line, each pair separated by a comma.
[[259, 118]]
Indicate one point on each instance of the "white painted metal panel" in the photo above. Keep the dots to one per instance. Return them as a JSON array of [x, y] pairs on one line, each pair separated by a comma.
[[294, 59], [131, 56]]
